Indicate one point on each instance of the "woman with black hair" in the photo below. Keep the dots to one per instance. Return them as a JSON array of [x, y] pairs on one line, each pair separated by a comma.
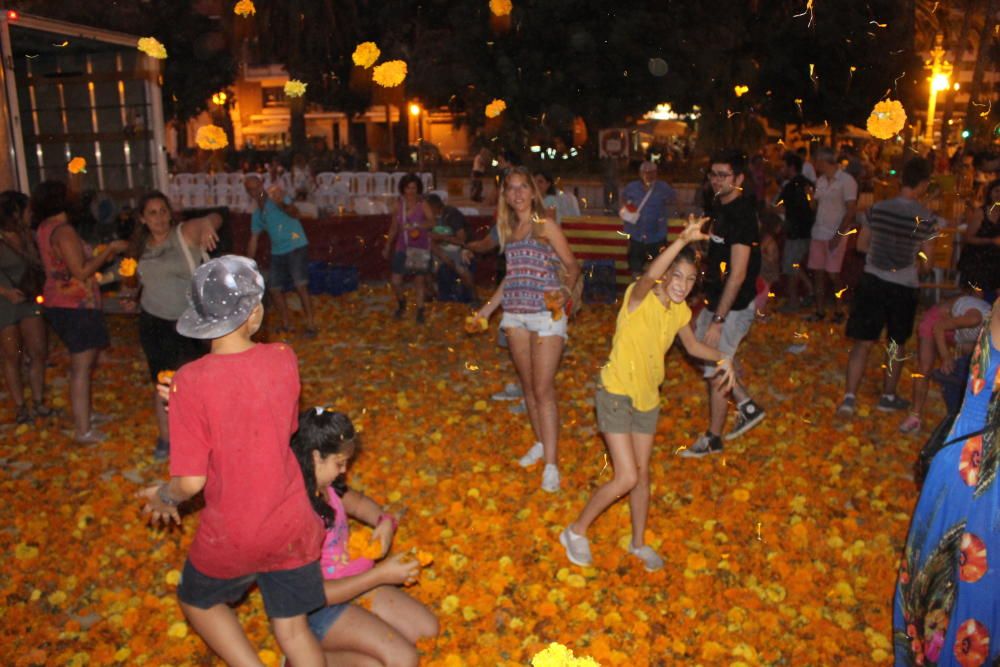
[[22, 330], [167, 253], [980, 260], [72, 295], [409, 242]]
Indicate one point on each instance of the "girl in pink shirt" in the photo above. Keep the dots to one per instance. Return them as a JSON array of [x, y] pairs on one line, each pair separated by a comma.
[[324, 446]]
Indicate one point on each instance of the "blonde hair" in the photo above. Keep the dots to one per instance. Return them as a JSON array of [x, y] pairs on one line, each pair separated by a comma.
[[506, 216]]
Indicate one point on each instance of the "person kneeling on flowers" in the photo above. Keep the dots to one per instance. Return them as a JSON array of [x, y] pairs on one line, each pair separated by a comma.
[[324, 446], [628, 394]]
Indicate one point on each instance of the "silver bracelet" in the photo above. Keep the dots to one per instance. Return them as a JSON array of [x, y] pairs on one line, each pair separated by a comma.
[[164, 497]]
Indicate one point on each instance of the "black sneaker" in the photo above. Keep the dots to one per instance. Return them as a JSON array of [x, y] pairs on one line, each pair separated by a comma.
[[891, 403], [703, 446], [748, 415]]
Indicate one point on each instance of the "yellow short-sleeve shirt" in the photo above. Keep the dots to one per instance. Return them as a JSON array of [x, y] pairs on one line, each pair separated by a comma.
[[642, 338]]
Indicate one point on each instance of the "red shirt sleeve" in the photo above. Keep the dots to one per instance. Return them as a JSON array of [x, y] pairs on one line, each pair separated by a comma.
[[190, 445]]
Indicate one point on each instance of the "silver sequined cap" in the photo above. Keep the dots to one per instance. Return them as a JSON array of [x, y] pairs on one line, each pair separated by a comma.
[[223, 292]]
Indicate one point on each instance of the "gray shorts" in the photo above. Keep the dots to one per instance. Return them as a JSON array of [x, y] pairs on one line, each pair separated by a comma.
[[734, 330], [796, 252], [615, 414]]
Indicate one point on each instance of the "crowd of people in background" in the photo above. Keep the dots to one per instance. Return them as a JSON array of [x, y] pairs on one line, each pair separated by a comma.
[[765, 228]]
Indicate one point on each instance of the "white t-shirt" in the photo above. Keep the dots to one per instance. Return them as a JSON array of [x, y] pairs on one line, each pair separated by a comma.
[[963, 305], [832, 196], [809, 171]]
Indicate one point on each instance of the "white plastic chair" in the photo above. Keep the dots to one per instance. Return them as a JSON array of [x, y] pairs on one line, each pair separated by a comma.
[[427, 179], [325, 179], [380, 184], [361, 183], [183, 179]]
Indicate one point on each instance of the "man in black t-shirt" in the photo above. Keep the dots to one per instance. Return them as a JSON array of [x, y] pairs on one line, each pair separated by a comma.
[[448, 236], [799, 217], [730, 272]]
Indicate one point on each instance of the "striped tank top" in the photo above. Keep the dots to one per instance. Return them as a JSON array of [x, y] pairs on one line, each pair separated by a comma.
[[531, 272]]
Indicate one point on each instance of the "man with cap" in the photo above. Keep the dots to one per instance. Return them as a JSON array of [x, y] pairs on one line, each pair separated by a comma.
[[645, 208], [232, 415]]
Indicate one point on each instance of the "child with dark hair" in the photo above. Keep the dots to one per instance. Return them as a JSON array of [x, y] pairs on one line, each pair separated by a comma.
[[628, 396], [324, 446]]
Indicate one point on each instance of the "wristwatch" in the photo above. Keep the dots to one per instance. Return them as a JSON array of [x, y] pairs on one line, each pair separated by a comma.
[[165, 496], [718, 319]]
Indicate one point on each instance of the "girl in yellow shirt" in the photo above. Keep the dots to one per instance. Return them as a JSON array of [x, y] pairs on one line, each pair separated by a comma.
[[654, 312]]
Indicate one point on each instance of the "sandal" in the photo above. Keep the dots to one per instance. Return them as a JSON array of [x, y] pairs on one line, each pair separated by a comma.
[[45, 412], [91, 437]]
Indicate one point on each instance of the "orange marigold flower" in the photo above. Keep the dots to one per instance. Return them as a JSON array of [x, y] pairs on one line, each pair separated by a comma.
[[152, 48], [77, 165], [244, 8], [366, 54], [501, 7], [211, 138], [390, 74], [495, 108], [887, 119]]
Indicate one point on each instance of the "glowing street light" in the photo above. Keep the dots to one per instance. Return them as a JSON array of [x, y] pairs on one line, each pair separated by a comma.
[[940, 79], [414, 109], [219, 99]]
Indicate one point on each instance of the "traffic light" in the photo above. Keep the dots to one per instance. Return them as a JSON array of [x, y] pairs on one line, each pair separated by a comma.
[[966, 134]]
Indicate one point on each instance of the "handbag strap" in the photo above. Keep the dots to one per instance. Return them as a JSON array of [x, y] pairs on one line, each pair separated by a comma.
[[402, 223], [187, 251], [645, 199]]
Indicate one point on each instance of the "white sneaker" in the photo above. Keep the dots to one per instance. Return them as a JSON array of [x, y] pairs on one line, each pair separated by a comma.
[[511, 392], [577, 548], [550, 478], [533, 456], [649, 558]]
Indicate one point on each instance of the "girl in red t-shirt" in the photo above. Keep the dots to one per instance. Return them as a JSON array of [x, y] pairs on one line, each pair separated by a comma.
[[324, 446]]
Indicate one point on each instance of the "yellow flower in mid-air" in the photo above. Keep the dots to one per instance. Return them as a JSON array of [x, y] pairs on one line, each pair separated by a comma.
[[244, 8], [211, 138], [390, 74], [295, 88], [366, 54], [501, 7], [152, 47], [887, 119], [495, 108], [741, 90]]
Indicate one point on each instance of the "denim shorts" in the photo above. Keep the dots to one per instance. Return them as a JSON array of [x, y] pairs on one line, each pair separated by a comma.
[[540, 323], [321, 620], [286, 593], [734, 330], [290, 270]]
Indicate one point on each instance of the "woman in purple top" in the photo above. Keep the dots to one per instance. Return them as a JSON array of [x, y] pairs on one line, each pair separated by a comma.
[[409, 242], [534, 319]]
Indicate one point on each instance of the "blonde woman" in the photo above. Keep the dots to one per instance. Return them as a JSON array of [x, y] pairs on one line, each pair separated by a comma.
[[534, 247]]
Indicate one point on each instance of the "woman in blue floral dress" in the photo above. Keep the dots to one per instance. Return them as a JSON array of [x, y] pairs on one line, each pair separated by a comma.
[[947, 602]]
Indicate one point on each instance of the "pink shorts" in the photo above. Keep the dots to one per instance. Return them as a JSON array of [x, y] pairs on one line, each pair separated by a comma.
[[821, 258], [926, 327]]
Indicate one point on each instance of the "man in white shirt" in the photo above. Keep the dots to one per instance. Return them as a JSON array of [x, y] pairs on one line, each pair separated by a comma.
[[836, 204]]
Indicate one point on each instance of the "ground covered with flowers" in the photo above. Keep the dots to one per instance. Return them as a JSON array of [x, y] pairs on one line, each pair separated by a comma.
[[781, 551]]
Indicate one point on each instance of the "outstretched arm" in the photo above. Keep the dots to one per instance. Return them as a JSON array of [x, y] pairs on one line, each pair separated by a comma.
[[692, 232]]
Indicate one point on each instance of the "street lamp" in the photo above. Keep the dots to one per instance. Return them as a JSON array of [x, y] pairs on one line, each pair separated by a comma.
[[415, 111], [939, 80]]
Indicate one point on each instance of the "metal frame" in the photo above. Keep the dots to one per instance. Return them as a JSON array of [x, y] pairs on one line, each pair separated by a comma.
[[153, 90]]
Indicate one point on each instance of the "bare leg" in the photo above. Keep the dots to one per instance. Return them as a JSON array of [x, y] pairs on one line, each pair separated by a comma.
[[718, 407], [81, 369], [10, 350], [626, 475], [819, 291], [837, 285], [297, 641], [304, 297], [856, 364], [545, 354], [893, 369], [408, 616], [638, 499], [420, 284], [519, 342], [221, 630], [278, 297], [34, 339], [396, 280], [162, 421], [926, 356], [369, 635]]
